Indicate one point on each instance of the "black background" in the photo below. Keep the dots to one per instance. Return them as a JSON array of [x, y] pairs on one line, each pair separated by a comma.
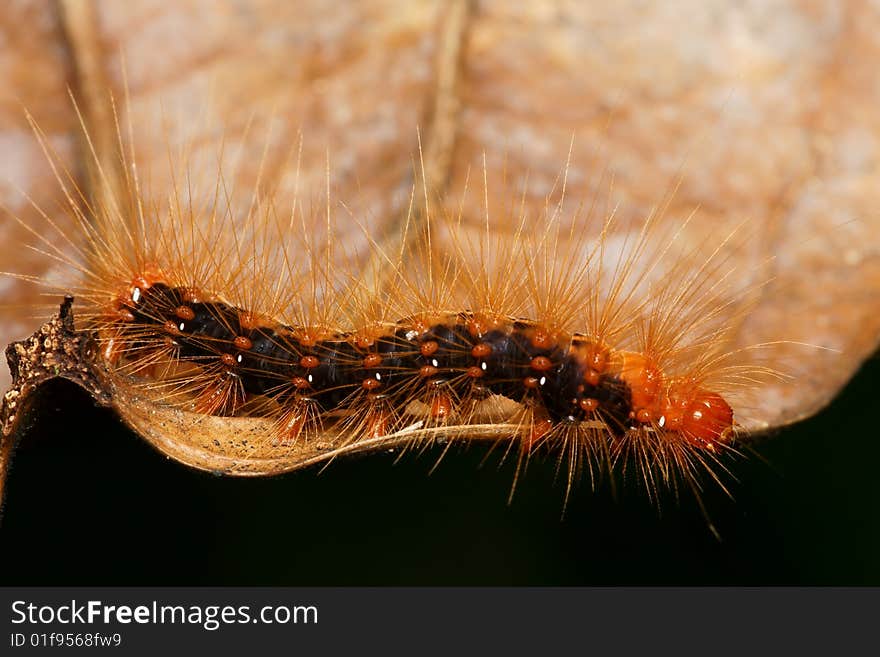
[[90, 503]]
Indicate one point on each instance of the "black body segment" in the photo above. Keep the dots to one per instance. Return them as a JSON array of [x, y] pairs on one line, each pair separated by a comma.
[[507, 360]]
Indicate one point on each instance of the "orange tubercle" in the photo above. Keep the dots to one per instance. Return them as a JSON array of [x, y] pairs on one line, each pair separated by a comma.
[[378, 420], [131, 292], [645, 380], [597, 357], [541, 427], [441, 406]]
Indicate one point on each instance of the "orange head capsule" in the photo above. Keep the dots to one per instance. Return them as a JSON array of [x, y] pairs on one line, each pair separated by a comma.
[[709, 418], [702, 417]]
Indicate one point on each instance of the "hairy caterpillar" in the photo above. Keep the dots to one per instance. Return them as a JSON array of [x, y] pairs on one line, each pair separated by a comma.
[[653, 311], [560, 336], [786, 164]]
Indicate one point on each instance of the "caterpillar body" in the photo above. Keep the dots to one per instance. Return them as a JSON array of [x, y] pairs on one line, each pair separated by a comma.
[[570, 378], [555, 337]]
